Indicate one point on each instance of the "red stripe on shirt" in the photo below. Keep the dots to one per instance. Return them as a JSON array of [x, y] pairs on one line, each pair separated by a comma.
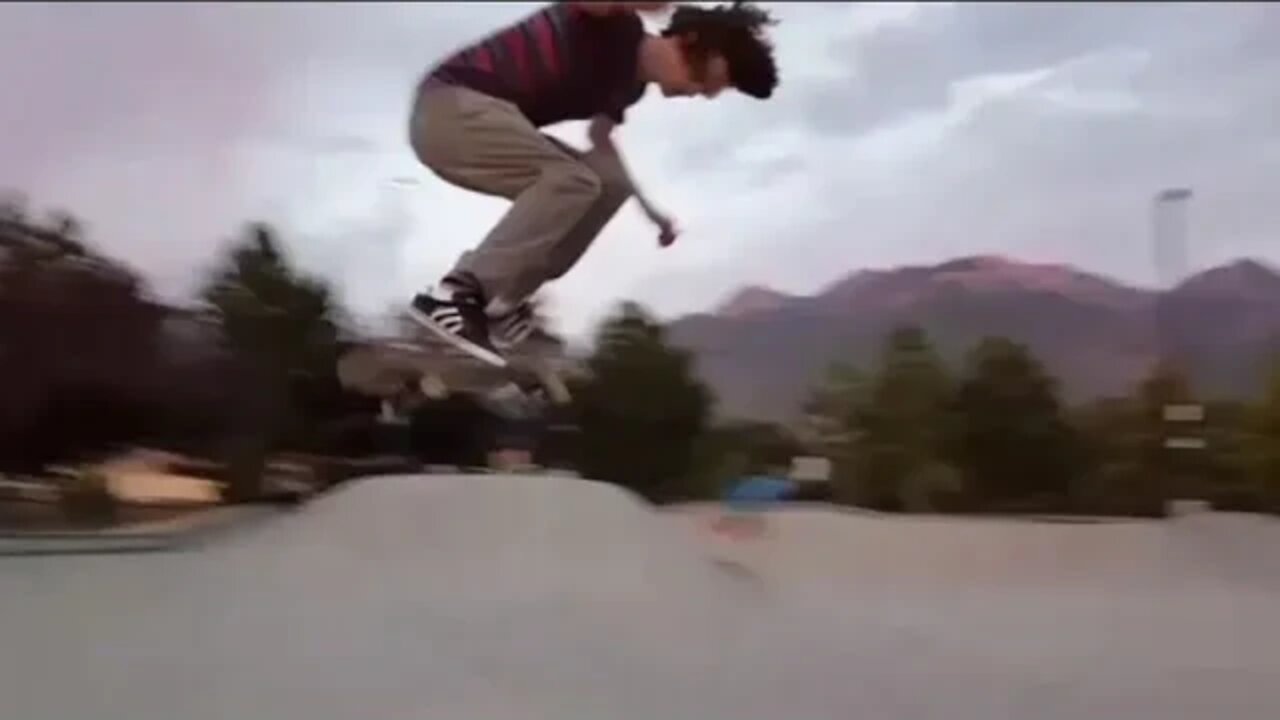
[[484, 58], [547, 44], [519, 53]]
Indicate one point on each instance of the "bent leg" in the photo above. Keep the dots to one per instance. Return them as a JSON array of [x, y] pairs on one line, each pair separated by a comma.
[[615, 189], [485, 144]]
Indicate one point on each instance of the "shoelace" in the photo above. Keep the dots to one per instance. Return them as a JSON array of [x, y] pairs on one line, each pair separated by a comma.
[[519, 323]]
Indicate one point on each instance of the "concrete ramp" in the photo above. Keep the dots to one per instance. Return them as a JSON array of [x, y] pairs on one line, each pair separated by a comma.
[[496, 597], [483, 537], [464, 596]]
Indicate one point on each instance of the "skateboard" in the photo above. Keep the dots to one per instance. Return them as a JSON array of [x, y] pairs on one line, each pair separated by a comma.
[[430, 368]]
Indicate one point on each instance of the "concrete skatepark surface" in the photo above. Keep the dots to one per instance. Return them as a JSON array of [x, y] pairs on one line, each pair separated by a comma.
[[491, 597]]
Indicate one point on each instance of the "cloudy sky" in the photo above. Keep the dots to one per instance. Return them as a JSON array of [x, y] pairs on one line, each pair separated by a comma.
[[901, 133]]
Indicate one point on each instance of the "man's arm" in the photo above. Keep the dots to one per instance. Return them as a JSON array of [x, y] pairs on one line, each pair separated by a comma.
[[600, 131]]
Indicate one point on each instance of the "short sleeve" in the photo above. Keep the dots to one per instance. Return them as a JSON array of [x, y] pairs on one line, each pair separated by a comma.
[[621, 35], [616, 108]]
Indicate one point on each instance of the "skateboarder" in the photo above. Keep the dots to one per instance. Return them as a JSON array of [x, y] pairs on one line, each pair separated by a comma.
[[475, 123]]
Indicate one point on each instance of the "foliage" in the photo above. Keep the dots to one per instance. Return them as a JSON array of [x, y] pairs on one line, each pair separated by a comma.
[[1258, 453], [283, 326], [641, 411], [91, 363], [903, 427], [831, 417], [78, 351], [932, 487], [270, 310], [1012, 444], [732, 449], [887, 431]]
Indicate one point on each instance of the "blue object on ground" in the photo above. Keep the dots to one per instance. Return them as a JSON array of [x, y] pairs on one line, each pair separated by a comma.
[[759, 491]]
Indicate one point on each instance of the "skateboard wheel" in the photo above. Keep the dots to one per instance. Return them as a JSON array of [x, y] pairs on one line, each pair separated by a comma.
[[433, 387]]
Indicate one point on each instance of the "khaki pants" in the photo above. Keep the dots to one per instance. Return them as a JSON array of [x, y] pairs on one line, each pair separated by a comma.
[[561, 198]]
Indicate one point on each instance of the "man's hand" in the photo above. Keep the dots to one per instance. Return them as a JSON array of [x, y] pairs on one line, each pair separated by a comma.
[[667, 231]]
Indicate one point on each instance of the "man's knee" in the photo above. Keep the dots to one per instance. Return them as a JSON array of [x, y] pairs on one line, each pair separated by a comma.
[[575, 180], [614, 182], [615, 185], [557, 269]]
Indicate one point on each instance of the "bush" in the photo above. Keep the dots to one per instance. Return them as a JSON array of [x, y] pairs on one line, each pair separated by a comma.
[[932, 487]]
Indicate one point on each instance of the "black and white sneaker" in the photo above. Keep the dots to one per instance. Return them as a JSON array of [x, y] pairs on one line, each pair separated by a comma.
[[520, 329], [457, 317]]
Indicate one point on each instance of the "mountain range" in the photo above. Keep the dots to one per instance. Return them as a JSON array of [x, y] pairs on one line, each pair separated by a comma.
[[762, 350]]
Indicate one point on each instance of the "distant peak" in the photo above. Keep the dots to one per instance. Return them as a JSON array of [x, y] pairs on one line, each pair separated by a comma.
[[982, 273], [751, 300], [979, 263], [1245, 275], [1251, 267]]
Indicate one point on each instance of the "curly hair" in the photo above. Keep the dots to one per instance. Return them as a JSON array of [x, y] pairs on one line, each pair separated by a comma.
[[736, 32]]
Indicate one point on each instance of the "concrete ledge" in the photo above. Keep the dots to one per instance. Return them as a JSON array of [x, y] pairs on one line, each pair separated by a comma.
[[162, 536]]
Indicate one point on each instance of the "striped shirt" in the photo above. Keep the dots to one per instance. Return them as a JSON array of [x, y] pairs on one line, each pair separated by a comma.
[[557, 64]]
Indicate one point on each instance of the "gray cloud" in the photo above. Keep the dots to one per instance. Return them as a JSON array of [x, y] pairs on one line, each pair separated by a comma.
[[909, 68], [1222, 58], [167, 126], [1037, 130]]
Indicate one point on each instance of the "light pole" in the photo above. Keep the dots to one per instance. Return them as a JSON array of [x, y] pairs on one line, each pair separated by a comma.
[[1169, 230], [1182, 419], [1169, 251]]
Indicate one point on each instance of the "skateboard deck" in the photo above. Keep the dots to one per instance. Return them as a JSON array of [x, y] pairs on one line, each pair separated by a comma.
[[390, 367]]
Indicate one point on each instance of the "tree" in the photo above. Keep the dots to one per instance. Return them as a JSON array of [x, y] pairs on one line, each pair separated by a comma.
[[1114, 436], [1131, 470], [733, 449], [834, 406], [13, 207], [1012, 442], [69, 229], [762, 445], [886, 432], [1263, 446], [903, 427], [271, 311], [1226, 475], [1165, 471], [831, 416], [283, 327], [641, 410], [78, 347]]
